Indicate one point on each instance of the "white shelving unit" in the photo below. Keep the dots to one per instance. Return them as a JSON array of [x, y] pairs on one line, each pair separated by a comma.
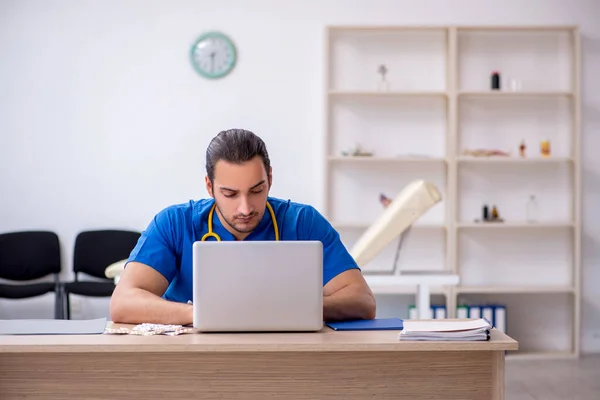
[[435, 110]]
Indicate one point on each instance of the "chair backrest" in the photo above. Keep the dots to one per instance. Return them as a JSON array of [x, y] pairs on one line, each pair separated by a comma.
[[29, 255], [96, 250]]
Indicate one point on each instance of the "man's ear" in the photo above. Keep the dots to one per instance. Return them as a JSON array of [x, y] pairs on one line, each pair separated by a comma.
[[270, 177], [209, 187]]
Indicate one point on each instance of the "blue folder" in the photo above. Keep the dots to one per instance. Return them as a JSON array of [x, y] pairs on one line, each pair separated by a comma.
[[378, 324]]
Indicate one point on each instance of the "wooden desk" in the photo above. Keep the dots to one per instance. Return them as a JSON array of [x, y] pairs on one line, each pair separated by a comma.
[[324, 365]]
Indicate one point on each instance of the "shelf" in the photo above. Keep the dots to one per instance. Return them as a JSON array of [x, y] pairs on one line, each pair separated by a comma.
[[385, 160], [493, 122], [500, 93], [365, 225], [437, 108], [404, 290], [355, 54], [514, 225], [387, 28], [517, 28], [541, 59], [514, 289], [368, 94], [514, 160], [509, 187], [355, 188], [387, 125]]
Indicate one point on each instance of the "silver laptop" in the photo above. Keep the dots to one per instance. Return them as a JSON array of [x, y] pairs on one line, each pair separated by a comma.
[[258, 286]]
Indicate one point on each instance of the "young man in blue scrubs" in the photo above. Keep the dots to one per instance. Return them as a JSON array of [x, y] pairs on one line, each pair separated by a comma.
[[157, 282]]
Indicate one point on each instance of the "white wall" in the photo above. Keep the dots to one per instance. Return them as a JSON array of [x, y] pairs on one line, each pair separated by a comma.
[[103, 121]]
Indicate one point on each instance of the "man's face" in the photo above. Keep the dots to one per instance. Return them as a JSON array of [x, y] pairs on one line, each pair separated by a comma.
[[240, 192]]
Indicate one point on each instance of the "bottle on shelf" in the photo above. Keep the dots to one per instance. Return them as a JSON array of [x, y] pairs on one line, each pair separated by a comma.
[[531, 209], [545, 148], [495, 80], [383, 85], [514, 85], [495, 214], [522, 149], [485, 213]]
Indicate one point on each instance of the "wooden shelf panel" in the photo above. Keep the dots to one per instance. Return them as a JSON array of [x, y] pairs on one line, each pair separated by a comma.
[[387, 28], [404, 290], [375, 94], [385, 160], [514, 160], [515, 225], [517, 28], [511, 94], [364, 225], [515, 289]]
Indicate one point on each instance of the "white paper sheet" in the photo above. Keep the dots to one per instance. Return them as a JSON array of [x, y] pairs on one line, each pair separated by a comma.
[[52, 326]]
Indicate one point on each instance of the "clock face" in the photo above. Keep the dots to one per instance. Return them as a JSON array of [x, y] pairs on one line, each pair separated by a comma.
[[213, 55]]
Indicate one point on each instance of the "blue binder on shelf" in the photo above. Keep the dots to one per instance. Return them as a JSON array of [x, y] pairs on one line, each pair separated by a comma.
[[378, 324], [500, 317]]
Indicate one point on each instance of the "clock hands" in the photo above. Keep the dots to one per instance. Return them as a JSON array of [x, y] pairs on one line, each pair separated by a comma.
[[212, 61]]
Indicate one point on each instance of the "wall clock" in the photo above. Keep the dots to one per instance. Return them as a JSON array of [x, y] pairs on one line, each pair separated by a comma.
[[213, 55]]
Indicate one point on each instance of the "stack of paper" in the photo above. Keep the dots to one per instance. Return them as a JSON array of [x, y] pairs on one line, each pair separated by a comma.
[[52, 326], [446, 330]]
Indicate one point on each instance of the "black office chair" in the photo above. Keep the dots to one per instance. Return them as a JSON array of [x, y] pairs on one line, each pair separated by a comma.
[[27, 256], [94, 251]]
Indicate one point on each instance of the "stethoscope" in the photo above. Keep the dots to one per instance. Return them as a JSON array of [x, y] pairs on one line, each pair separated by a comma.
[[210, 232]]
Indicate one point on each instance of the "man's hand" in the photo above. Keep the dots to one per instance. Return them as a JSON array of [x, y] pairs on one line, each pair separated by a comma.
[[137, 299], [347, 296]]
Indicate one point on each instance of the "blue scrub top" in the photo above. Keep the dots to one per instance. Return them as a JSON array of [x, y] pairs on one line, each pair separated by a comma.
[[166, 244]]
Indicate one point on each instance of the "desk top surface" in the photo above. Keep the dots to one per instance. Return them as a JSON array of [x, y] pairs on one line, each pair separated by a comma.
[[324, 340]]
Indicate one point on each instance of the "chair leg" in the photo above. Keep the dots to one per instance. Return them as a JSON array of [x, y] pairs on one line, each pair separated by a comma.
[[58, 306], [67, 305]]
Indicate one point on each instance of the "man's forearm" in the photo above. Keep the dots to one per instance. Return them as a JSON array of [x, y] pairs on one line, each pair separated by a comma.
[[137, 306], [349, 303]]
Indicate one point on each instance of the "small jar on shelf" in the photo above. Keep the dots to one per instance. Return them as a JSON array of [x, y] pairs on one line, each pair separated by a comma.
[[545, 148]]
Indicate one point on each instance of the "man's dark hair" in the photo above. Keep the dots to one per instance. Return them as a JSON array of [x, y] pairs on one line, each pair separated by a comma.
[[235, 146]]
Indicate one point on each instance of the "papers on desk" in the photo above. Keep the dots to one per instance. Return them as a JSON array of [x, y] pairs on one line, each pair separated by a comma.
[[52, 326], [447, 330], [148, 329]]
